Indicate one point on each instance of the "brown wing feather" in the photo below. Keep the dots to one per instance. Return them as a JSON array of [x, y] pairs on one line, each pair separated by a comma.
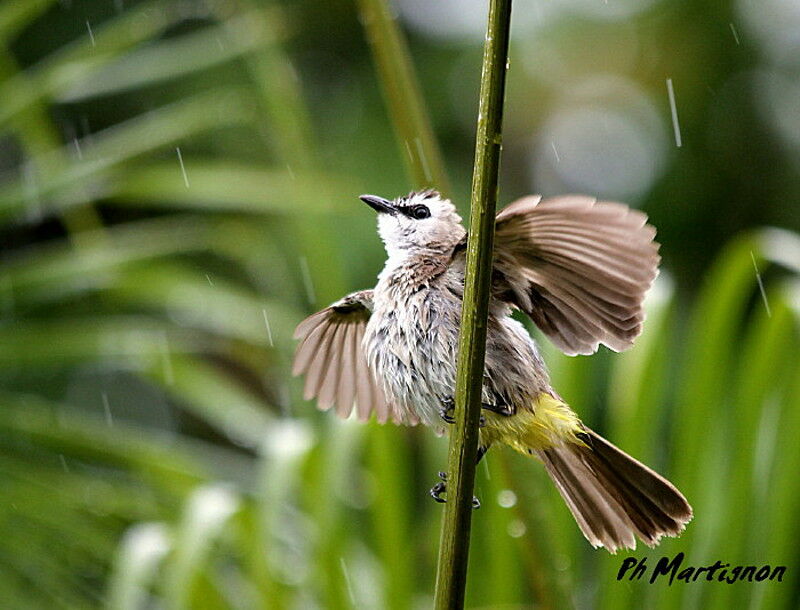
[[315, 375], [347, 382], [331, 357], [329, 383], [579, 267]]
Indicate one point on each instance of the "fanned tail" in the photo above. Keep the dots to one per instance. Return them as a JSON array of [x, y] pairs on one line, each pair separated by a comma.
[[613, 497]]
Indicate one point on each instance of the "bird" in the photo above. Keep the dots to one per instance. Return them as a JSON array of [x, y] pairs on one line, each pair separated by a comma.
[[578, 267]]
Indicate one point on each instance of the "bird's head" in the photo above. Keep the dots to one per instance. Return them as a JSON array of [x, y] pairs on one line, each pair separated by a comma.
[[420, 221]]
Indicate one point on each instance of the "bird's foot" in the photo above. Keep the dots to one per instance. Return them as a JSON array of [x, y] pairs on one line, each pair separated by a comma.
[[438, 490], [500, 408], [447, 412]]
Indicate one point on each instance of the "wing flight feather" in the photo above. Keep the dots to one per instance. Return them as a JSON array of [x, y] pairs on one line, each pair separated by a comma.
[[578, 267], [331, 357]]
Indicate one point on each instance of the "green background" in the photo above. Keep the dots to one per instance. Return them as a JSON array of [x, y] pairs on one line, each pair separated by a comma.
[[178, 189]]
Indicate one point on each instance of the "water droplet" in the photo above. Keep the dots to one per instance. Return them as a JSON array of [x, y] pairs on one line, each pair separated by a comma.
[[517, 529], [506, 498]]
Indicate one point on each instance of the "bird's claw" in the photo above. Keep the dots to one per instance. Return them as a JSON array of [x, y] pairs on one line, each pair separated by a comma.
[[447, 410], [448, 419], [438, 490]]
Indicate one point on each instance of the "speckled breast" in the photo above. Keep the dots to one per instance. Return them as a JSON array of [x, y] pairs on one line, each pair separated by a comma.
[[411, 342]]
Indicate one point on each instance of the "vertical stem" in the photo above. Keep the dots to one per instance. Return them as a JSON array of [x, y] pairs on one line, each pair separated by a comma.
[[403, 97], [454, 547]]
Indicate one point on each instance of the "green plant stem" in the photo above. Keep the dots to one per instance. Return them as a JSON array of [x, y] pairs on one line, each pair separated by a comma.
[[403, 97], [454, 547]]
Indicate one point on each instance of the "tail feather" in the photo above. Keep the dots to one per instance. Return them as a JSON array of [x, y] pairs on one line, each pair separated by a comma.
[[599, 515], [613, 497]]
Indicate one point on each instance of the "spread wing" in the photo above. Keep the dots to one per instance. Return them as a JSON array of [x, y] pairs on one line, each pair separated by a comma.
[[334, 364], [578, 267]]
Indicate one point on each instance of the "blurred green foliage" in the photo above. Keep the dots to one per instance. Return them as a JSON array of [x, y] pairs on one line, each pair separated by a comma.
[[177, 190]]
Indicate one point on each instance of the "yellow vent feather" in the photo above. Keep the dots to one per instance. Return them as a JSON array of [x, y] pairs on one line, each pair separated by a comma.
[[550, 422]]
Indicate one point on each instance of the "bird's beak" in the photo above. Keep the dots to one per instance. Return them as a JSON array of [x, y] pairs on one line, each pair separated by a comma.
[[379, 204]]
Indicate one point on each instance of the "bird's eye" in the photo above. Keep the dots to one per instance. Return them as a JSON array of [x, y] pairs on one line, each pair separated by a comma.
[[419, 212]]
